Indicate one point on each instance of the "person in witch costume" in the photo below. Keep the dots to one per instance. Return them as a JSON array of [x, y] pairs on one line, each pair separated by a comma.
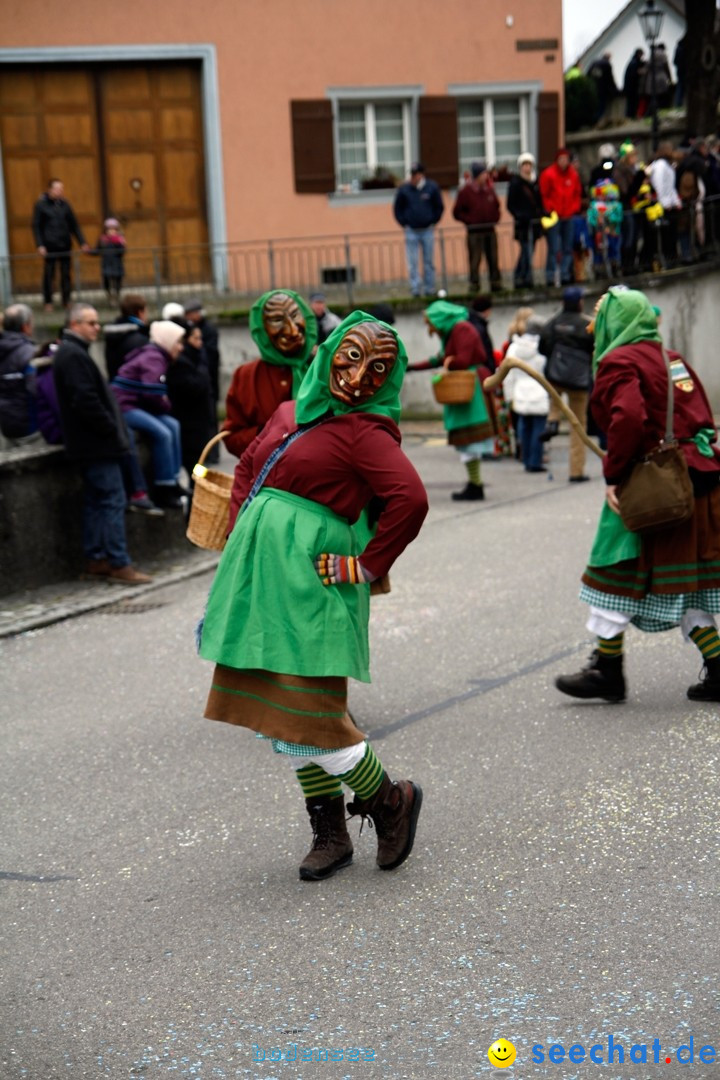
[[469, 424], [673, 577], [287, 617], [284, 329]]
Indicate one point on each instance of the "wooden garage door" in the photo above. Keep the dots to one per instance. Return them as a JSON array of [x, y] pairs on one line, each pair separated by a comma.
[[48, 130], [127, 141]]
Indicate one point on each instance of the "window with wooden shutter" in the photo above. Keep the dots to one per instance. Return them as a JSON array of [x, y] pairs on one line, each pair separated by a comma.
[[313, 157], [438, 124], [549, 137]]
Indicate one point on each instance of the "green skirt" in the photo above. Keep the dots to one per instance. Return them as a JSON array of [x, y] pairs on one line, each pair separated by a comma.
[[269, 610]]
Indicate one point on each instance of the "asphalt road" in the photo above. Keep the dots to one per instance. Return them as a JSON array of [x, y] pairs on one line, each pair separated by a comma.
[[562, 890]]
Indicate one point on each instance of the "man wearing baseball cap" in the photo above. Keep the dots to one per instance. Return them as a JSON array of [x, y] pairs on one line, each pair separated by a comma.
[[418, 207]]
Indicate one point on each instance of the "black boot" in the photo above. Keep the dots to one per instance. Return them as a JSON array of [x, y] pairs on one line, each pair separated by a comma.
[[602, 678], [470, 492], [331, 847], [550, 431], [393, 810], [708, 689]]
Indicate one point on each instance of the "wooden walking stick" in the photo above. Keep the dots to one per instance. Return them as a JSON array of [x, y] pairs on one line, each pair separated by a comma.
[[493, 381]]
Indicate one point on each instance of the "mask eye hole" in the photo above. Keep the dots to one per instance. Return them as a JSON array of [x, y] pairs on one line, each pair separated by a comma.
[[354, 354], [379, 367]]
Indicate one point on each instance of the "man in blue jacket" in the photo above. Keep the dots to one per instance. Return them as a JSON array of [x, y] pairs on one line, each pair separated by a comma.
[[418, 208]]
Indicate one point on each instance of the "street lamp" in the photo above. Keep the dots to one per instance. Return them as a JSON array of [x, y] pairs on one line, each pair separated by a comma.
[[651, 19]]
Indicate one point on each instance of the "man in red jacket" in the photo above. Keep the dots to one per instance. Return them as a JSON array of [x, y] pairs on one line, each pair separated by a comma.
[[478, 208], [561, 191]]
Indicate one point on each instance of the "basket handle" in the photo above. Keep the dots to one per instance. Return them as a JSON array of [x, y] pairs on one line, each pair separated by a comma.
[[208, 447]]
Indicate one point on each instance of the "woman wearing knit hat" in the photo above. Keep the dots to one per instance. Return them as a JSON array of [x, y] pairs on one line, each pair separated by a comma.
[[285, 331], [111, 248], [525, 205], [141, 389], [287, 617]]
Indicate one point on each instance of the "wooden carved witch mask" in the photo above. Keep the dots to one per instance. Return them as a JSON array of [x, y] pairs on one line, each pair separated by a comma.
[[362, 362], [284, 324]]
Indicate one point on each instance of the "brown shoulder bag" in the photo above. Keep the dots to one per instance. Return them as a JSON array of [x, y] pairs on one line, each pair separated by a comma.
[[658, 493]]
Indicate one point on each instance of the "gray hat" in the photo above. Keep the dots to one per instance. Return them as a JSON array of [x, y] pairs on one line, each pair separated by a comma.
[[193, 305]]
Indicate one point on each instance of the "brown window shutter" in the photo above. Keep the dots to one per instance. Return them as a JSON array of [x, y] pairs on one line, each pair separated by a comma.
[[437, 118], [313, 157], [548, 119]]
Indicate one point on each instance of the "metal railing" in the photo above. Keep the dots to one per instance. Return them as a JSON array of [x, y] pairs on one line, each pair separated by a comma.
[[349, 268]]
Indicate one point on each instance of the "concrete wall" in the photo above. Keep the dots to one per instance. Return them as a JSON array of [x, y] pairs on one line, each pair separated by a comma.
[[41, 521], [690, 324]]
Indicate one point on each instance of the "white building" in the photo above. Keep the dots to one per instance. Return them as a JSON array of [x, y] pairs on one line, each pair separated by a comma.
[[624, 35]]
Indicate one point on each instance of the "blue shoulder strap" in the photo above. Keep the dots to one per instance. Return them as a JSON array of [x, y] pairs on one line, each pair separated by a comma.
[[276, 454]]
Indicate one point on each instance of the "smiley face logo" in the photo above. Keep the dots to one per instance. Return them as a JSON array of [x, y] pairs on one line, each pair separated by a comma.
[[501, 1054]]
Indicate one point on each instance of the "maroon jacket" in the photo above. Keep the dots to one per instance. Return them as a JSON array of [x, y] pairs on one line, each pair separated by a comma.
[[629, 403], [476, 206], [342, 464], [255, 392]]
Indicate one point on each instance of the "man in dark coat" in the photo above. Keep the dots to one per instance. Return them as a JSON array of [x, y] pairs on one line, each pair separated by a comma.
[[17, 376], [54, 225], [565, 339], [95, 437], [194, 314]]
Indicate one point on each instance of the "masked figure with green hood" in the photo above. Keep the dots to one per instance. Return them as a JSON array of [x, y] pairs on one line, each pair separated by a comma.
[[671, 578], [284, 329], [469, 424], [287, 617]]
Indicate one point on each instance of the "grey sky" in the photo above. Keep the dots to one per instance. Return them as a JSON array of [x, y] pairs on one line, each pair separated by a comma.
[[582, 22]]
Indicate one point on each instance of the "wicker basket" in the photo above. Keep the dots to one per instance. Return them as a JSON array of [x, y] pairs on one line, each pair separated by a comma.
[[208, 524], [455, 387]]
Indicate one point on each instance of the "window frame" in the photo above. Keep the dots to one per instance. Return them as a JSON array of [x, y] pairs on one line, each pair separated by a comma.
[[369, 97], [526, 93]]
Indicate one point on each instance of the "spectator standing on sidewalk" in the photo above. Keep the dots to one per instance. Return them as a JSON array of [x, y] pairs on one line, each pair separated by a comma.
[[95, 437], [418, 207], [568, 346], [478, 208], [561, 193], [525, 205], [54, 225]]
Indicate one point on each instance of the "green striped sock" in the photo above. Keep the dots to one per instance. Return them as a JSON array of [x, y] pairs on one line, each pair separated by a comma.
[[315, 781], [707, 640], [611, 646], [473, 471], [367, 775]]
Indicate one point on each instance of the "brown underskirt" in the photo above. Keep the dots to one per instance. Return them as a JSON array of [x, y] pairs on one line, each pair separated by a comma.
[[679, 560], [464, 435], [310, 711]]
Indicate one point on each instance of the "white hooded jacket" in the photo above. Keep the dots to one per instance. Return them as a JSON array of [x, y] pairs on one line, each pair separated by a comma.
[[526, 396]]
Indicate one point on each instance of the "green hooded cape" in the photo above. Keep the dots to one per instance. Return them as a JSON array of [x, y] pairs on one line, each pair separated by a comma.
[[314, 398], [444, 316], [625, 317], [269, 353]]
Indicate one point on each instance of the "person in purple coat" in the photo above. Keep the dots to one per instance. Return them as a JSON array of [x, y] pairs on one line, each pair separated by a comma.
[[141, 389]]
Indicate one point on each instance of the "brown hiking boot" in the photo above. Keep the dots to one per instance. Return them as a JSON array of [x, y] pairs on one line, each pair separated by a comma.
[[128, 575], [331, 847], [393, 810]]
